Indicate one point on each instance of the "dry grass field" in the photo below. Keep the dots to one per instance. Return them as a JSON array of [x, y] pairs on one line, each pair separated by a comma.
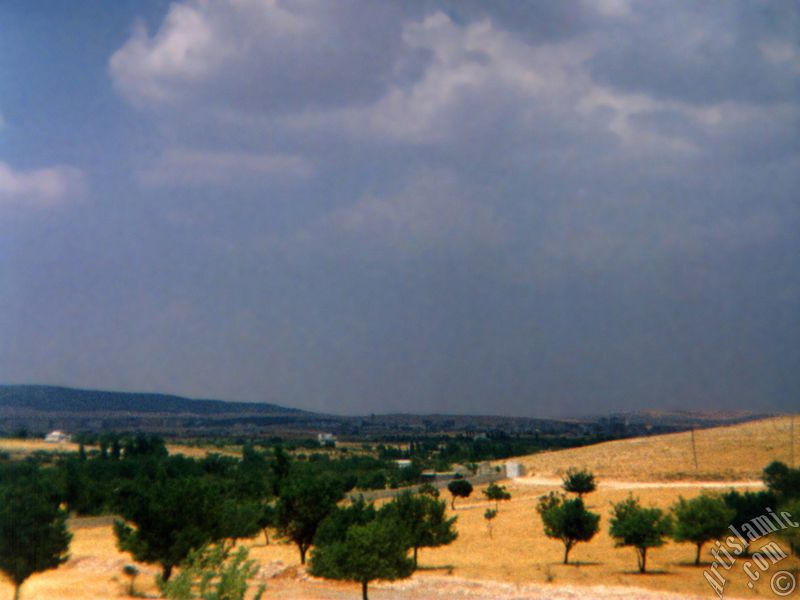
[[738, 452], [518, 561]]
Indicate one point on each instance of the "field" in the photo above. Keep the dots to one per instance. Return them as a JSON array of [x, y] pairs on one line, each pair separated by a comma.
[[518, 561]]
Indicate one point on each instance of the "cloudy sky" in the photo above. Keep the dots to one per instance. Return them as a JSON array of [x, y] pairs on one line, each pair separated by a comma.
[[528, 208]]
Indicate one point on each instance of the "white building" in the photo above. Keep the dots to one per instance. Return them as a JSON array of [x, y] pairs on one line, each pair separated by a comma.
[[326, 438], [403, 463], [57, 437], [514, 469]]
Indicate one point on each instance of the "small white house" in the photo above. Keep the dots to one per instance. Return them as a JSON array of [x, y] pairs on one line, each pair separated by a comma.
[[514, 469], [403, 463], [326, 438], [57, 437]]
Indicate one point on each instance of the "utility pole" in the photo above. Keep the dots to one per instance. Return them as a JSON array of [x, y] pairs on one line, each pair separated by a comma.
[[694, 450]]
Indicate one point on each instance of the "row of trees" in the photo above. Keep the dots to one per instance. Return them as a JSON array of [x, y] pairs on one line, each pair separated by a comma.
[[698, 520]]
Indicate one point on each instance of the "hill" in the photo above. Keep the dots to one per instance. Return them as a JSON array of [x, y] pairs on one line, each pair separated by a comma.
[[47, 398], [723, 453], [40, 408]]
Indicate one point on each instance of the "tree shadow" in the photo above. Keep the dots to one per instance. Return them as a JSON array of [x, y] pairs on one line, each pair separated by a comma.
[[448, 568]]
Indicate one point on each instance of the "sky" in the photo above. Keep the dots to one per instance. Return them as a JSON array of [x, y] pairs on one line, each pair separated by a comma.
[[545, 208]]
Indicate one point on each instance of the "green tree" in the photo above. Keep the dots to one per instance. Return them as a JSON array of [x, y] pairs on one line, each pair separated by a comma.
[[33, 530], [334, 527], [375, 550], [791, 534], [567, 520], [302, 505], [170, 517], [700, 520], [212, 573], [579, 482], [240, 518], [459, 488], [639, 527], [747, 506], [497, 493], [489, 515], [425, 520], [782, 480]]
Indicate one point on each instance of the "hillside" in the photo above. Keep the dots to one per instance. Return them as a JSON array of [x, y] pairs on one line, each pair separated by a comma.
[[723, 453], [55, 399]]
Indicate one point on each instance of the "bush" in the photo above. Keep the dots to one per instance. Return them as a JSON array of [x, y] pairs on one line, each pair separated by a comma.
[[211, 573]]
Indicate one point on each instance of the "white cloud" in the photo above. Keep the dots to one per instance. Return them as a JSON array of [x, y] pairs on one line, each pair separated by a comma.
[[40, 188], [186, 167], [258, 56]]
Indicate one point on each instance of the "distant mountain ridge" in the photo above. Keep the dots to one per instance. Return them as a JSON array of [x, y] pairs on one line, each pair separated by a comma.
[[41, 408], [48, 398]]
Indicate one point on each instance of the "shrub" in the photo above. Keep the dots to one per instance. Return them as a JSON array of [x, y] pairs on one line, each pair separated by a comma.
[[212, 573]]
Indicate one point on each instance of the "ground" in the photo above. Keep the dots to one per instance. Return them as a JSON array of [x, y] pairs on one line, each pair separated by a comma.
[[518, 561]]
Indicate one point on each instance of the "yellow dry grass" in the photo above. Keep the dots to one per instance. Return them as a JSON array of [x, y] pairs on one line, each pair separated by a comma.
[[25, 447], [723, 454]]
